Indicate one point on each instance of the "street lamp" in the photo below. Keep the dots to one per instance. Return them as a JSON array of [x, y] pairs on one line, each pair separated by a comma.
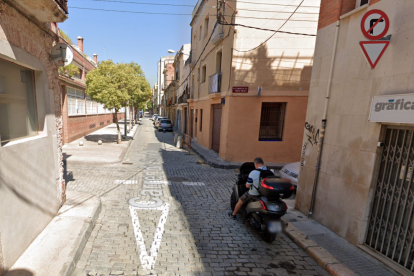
[[172, 52]]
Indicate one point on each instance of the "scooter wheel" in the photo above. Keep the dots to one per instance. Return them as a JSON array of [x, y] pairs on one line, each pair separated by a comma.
[[233, 201], [268, 237]]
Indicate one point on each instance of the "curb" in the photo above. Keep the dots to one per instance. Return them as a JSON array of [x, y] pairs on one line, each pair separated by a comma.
[[79, 245], [319, 254]]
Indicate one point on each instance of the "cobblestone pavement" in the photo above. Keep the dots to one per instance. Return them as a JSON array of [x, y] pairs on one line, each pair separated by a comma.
[[166, 214]]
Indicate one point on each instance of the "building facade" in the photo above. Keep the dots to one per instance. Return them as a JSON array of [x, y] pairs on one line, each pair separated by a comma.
[[181, 94], [249, 87], [81, 115], [32, 188], [362, 189], [162, 82]]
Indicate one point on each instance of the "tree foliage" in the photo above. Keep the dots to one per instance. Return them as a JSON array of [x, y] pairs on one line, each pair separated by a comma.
[[114, 85], [71, 70]]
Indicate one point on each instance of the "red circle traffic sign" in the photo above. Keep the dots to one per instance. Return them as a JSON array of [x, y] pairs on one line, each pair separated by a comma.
[[375, 24]]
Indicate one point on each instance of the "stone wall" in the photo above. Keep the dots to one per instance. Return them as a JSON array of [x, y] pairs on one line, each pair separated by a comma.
[[31, 170]]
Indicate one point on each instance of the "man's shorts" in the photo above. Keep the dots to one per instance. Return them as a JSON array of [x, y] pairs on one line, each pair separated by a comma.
[[246, 197]]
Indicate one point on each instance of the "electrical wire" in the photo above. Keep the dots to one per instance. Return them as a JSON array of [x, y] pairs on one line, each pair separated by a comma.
[[270, 11], [80, 8], [275, 31], [262, 29], [270, 4], [201, 54], [141, 3], [160, 13]]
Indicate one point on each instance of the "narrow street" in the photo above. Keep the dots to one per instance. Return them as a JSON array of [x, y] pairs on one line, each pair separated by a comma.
[[186, 231]]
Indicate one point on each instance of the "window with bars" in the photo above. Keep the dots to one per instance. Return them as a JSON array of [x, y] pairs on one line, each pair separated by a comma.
[[76, 101], [272, 121]]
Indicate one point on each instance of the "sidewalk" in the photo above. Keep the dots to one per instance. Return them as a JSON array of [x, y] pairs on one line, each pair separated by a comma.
[[58, 248], [91, 153], [211, 158], [332, 252]]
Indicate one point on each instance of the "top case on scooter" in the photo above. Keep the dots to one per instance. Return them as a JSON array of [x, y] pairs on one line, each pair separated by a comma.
[[275, 188]]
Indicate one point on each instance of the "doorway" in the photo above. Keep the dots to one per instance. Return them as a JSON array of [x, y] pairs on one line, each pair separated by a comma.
[[215, 145], [391, 223]]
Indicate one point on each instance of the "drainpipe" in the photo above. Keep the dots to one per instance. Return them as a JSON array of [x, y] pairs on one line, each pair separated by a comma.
[[324, 120]]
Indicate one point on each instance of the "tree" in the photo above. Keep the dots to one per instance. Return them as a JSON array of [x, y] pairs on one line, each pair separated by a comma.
[[149, 105], [113, 85], [70, 70]]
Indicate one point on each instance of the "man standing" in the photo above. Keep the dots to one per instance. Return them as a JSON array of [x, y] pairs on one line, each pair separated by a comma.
[[252, 184]]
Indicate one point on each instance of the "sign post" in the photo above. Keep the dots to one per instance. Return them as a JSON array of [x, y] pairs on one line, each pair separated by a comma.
[[374, 25]]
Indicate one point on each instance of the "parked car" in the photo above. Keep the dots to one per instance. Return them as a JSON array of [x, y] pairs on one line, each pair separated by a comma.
[[157, 121], [165, 123], [153, 116], [291, 172], [156, 118]]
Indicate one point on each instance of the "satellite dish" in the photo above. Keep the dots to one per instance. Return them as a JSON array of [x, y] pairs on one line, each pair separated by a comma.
[[62, 54]]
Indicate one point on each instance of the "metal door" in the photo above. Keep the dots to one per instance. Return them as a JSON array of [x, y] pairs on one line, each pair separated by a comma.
[[391, 225], [191, 122], [215, 145]]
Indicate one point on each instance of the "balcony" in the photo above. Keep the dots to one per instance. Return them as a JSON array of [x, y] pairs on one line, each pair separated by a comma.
[[45, 10], [214, 83], [218, 34]]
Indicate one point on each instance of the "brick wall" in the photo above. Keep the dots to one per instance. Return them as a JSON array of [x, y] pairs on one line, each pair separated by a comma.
[[16, 29], [75, 127], [331, 10], [169, 73], [79, 126]]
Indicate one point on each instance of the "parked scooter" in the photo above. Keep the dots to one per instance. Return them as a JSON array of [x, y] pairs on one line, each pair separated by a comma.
[[263, 213]]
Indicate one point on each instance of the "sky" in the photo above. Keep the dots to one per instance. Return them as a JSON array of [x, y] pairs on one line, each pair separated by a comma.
[[127, 37]]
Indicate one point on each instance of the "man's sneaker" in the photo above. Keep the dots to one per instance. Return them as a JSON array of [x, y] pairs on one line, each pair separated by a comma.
[[231, 216]]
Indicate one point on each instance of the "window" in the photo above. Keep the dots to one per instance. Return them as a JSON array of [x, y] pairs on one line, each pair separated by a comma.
[[201, 120], [199, 36], [18, 111], [101, 108], [203, 73], [205, 27], [218, 61], [271, 121], [360, 3], [76, 101]]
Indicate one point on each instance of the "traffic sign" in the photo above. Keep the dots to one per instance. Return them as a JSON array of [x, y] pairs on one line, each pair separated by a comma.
[[373, 50], [375, 24]]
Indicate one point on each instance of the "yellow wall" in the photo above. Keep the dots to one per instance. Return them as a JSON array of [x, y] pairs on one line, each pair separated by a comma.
[[242, 140]]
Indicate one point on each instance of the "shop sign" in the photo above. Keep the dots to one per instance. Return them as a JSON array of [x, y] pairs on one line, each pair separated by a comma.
[[392, 109], [240, 89]]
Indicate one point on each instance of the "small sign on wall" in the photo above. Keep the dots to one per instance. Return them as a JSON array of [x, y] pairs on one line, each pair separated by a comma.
[[392, 109], [240, 89]]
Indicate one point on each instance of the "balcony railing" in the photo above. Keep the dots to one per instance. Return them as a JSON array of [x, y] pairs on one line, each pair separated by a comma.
[[63, 4], [218, 34], [214, 83]]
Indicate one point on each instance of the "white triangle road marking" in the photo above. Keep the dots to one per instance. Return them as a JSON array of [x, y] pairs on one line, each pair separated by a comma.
[[148, 261]]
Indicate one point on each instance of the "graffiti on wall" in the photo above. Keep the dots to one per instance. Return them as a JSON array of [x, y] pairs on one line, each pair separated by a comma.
[[302, 159], [312, 133]]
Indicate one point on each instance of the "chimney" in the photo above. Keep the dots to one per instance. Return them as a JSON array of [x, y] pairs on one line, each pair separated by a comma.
[[80, 43], [95, 58]]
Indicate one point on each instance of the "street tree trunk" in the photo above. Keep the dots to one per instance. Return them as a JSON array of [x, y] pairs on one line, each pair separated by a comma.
[[130, 115], [117, 127]]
